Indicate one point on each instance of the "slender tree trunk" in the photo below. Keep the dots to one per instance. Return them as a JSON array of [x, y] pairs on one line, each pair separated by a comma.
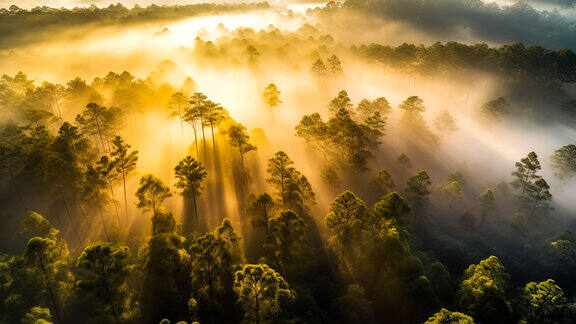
[[282, 190], [68, 213], [113, 198], [125, 198], [242, 163], [195, 210], [180, 114], [195, 138], [213, 141], [203, 138], [104, 226]]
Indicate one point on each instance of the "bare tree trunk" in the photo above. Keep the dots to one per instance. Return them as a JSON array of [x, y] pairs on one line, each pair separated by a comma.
[[125, 198], [68, 213], [113, 198], [195, 138], [195, 210], [203, 138]]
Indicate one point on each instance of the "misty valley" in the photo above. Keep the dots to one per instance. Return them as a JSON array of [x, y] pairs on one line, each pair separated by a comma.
[[379, 161]]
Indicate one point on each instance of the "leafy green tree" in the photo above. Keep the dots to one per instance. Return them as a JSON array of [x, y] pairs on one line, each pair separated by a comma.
[[454, 191], [525, 174], [238, 137], [299, 192], [151, 193], [331, 177], [367, 108], [271, 95], [342, 101], [38, 315], [252, 53], [546, 301], [540, 196], [178, 105], [106, 168], [391, 207], [412, 108], [96, 120], [124, 162], [482, 292], [518, 224], [313, 130], [197, 111], [192, 113], [334, 64], [457, 176], [166, 272], [261, 209], [445, 316], [351, 140], [487, 204], [109, 265], [354, 306], [287, 232], [404, 161], [280, 171], [445, 122], [564, 161], [262, 292], [383, 183], [418, 189], [35, 224], [215, 114], [48, 260], [496, 108], [215, 257], [318, 69], [348, 216], [190, 174]]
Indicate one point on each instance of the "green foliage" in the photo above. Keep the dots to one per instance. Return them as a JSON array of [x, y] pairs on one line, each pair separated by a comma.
[[445, 122], [287, 232], [35, 224], [347, 217], [214, 257], [165, 266], [417, 188], [534, 190], [391, 207], [189, 176], [261, 209], [238, 137], [367, 108], [487, 203], [546, 301], [280, 172], [342, 101], [354, 306], [383, 183], [564, 160], [109, 269], [445, 316], [38, 315], [271, 95], [404, 161], [262, 292], [151, 193], [496, 108], [318, 69], [47, 260], [482, 291]]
